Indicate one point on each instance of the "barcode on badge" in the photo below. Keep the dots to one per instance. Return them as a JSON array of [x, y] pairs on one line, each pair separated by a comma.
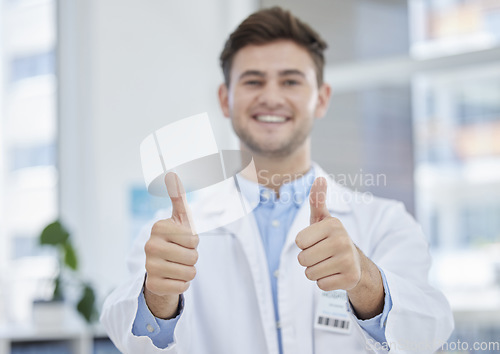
[[333, 322]]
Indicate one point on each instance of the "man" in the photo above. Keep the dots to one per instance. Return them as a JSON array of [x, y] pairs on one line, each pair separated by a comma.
[[336, 274]]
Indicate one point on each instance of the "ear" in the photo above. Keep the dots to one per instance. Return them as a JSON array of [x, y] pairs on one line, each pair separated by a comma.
[[324, 94], [224, 99]]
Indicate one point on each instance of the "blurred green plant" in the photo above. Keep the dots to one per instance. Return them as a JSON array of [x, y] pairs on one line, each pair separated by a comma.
[[56, 235]]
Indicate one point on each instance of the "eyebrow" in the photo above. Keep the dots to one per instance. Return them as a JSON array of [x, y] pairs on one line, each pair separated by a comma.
[[252, 73], [291, 72], [261, 74]]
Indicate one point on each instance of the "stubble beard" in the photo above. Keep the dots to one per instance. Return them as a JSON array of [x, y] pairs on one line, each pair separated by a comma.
[[284, 149]]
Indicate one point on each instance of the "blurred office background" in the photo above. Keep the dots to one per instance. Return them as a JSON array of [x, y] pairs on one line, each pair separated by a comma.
[[415, 116]]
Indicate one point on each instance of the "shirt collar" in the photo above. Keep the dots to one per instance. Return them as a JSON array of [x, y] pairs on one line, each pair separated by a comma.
[[295, 191]]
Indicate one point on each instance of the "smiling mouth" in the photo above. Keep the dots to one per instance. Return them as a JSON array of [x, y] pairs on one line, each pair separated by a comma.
[[270, 118]]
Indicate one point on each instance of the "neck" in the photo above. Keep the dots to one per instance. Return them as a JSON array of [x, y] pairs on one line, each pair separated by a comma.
[[273, 172]]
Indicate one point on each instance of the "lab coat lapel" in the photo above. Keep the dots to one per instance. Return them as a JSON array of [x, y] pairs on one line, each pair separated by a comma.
[[245, 230]]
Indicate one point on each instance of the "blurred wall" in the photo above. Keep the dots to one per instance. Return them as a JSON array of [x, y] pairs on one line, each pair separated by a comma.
[[365, 140], [126, 68]]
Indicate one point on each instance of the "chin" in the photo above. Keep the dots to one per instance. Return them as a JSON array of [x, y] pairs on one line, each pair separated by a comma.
[[273, 152]]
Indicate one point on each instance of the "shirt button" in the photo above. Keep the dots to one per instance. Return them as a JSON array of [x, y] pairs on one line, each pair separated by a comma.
[[276, 273], [278, 324], [299, 200], [275, 223], [150, 328], [266, 195]]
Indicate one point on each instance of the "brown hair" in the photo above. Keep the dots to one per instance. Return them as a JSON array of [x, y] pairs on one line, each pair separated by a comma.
[[269, 25]]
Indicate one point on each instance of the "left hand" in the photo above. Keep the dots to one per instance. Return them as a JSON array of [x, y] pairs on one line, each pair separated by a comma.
[[333, 260], [328, 253]]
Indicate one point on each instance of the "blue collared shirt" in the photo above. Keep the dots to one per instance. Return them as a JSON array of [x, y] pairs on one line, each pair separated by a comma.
[[274, 216]]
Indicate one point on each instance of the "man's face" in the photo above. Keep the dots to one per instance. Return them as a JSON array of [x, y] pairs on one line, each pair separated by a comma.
[[273, 97]]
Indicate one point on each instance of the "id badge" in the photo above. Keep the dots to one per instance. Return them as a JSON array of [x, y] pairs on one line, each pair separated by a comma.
[[331, 312]]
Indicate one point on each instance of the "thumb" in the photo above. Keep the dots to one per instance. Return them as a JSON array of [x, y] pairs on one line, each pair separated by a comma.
[[317, 200], [177, 194]]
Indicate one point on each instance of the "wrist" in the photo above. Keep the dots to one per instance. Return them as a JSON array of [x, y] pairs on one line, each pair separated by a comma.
[[367, 297], [162, 306]]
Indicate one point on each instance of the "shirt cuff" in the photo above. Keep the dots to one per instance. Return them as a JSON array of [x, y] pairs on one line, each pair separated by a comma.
[[159, 330], [375, 326]]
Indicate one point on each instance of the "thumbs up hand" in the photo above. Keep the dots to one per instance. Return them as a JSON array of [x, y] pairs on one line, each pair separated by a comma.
[[170, 254], [330, 257], [333, 260]]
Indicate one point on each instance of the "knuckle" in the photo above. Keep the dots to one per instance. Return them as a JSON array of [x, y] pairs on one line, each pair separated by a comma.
[[176, 287], [332, 222], [182, 287], [309, 274], [335, 220], [170, 286], [299, 240], [148, 266], [301, 259], [321, 284], [324, 285], [151, 267], [340, 244], [149, 247], [191, 273], [194, 241], [186, 229], [345, 243], [156, 228], [194, 257]]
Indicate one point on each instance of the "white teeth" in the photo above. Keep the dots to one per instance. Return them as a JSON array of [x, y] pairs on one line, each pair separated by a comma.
[[271, 119]]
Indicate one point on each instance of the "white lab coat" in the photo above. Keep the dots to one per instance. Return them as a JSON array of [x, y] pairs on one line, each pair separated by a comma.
[[229, 307]]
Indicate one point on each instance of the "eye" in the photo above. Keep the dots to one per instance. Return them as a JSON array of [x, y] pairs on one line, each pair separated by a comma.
[[291, 82], [252, 83]]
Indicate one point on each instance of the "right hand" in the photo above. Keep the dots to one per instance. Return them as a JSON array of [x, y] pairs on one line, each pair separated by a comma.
[[170, 254]]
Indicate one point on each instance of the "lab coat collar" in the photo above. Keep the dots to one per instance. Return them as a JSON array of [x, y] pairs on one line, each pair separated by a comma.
[[293, 192], [337, 201]]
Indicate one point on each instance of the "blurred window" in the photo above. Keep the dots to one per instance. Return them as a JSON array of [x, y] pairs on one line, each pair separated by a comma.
[[33, 65], [456, 123], [457, 186], [28, 139], [443, 27]]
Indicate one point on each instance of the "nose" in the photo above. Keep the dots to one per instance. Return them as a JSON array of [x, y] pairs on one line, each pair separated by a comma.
[[271, 96]]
